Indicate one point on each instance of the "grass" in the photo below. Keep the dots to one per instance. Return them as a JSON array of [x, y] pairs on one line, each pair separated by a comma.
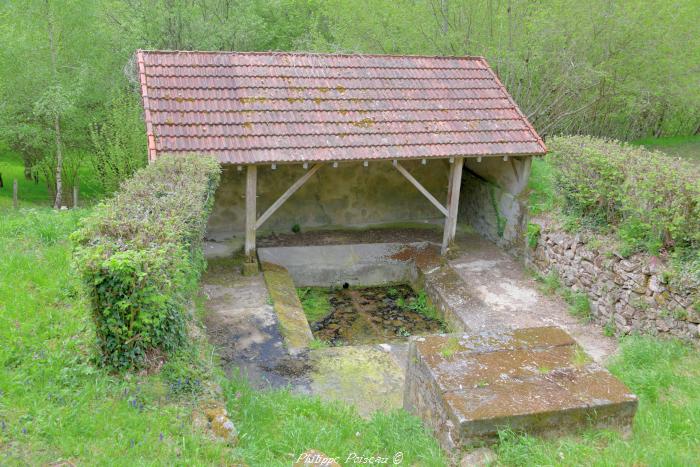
[[686, 147], [31, 194], [55, 404], [579, 304], [276, 427], [542, 197], [314, 301], [665, 375], [421, 305]]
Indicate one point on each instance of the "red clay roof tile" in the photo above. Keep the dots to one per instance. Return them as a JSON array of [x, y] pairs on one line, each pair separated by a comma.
[[247, 108]]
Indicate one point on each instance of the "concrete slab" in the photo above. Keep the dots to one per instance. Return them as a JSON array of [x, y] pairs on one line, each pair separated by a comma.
[[469, 386], [511, 298], [368, 377], [366, 264]]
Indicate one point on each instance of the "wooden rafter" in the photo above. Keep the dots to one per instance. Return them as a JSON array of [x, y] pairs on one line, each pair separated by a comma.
[[285, 196], [420, 188]]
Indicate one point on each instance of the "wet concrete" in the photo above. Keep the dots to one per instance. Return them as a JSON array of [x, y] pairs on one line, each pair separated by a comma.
[[244, 328], [370, 378], [285, 302], [486, 290]]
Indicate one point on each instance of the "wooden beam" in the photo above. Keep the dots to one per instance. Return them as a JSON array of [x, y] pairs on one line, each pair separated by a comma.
[[250, 213], [285, 196], [420, 187], [455, 184]]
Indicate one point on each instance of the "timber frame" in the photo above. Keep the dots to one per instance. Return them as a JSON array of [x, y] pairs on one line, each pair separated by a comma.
[[253, 223]]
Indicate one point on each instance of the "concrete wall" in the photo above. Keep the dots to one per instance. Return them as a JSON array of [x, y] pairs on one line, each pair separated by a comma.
[[493, 200], [492, 197], [349, 195]]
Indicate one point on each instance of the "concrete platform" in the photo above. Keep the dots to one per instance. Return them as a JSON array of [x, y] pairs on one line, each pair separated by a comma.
[[467, 387], [368, 377]]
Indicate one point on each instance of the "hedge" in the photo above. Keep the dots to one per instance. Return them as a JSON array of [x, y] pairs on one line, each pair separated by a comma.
[[139, 256], [650, 198]]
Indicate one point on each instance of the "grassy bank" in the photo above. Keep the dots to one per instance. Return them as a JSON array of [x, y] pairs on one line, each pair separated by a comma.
[[55, 404], [665, 375], [686, 147], [31, 193]]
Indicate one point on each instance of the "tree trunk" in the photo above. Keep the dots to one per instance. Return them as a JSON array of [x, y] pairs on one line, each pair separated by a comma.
[[56, 120]]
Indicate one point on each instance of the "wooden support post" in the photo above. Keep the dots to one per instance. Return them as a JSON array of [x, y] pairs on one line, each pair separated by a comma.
[[250, 217], [75, 196], [15, 200], [455, 183]]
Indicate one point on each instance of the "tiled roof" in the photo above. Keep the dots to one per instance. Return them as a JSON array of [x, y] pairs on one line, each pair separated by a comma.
[[294, 107]]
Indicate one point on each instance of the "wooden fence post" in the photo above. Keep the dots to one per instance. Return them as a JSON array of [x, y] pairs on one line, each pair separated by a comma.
[[75, 196], [15, 201]]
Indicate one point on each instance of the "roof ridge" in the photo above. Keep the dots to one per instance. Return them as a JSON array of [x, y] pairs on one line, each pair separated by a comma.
[[303, 53]]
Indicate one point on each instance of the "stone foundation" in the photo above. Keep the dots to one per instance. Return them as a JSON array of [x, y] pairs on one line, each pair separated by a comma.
[[627, 294], [467, 387]]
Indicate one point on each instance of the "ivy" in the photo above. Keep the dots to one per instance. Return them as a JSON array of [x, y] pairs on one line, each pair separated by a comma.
[[139, 256]]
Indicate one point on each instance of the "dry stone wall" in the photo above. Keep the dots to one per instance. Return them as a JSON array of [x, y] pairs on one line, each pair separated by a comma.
[[627, 294]]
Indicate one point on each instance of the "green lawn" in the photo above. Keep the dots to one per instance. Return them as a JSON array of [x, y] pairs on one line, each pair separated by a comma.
[[665, 375], [54, 403], [31, 194], [686, 147]]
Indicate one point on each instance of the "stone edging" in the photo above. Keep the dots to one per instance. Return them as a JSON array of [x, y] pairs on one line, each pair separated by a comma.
[[290, 313]]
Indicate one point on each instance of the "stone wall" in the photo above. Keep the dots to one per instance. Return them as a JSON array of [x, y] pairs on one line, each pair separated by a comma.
[[494, 202], [633, 294]]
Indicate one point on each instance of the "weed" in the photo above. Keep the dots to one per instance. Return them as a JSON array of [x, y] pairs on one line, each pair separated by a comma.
[[450, 347], [296, 228], [580, 306], [550, 282], [580, 357], [533, 235], [420, 304], [680, 314], [315, 303], [610, 329], [318, 344]]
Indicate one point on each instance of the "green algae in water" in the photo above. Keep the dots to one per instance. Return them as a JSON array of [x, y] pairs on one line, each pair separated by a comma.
[[373, 315]]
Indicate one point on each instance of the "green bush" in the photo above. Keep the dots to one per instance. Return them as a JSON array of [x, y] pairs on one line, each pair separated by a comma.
[[139, 256], [652, 200]]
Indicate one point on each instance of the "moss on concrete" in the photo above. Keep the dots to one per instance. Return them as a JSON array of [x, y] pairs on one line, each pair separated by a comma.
[[293, 324], [365, 376]]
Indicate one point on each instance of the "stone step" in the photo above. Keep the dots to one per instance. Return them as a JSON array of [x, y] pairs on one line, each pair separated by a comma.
[[467, 387]]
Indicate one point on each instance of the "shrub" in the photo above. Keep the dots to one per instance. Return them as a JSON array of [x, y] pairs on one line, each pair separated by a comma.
[[652, 199], [139, 256], [533, 235]]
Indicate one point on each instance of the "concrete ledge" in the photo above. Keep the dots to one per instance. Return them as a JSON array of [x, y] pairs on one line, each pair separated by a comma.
[[367, 264], [293, 324], [536, 380]]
